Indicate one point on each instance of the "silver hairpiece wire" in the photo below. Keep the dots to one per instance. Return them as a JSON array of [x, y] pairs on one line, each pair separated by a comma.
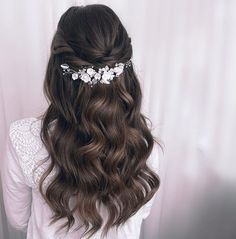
[[91, 76]]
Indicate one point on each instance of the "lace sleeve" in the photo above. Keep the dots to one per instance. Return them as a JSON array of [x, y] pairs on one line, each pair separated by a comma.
[[25, 139]]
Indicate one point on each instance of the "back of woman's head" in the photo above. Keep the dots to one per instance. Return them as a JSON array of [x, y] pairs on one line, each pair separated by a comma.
[[100, 141]]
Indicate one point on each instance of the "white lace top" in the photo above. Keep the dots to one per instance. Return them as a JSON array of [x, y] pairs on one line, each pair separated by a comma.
[[25, 208]]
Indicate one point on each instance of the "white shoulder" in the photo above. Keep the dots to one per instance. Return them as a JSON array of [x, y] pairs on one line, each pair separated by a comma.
[[25, 136]]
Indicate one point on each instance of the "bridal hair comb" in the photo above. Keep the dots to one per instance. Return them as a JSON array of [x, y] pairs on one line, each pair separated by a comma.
[[91, 76]]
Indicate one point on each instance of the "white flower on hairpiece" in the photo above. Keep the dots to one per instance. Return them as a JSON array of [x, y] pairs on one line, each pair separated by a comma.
[[108, 75], [105, 78], [75, 76], [119, 69], [97, 76], [91, 71], [85, 77]]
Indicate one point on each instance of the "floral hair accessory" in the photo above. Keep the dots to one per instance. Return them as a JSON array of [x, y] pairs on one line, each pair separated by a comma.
[[91, 76]]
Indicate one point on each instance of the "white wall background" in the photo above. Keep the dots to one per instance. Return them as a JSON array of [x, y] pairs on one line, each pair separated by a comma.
[[185, 53]]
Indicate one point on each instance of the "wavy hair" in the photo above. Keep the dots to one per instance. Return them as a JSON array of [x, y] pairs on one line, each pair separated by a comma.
[[101, 141]]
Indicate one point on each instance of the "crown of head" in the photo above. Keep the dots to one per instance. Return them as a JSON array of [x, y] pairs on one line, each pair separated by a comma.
[[92, 76]]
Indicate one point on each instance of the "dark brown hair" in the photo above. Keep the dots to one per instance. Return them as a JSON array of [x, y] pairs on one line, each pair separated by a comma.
[[101, 141]]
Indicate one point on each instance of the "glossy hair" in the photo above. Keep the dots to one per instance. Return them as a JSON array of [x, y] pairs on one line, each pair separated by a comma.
[[101, 141]]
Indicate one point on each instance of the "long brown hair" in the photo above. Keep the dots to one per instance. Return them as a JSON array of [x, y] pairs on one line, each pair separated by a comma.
[[101, 141]]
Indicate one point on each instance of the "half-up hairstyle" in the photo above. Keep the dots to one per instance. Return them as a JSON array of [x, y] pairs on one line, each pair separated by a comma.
[[100, 141]]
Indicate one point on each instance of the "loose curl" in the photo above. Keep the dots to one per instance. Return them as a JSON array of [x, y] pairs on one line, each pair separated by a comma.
[[100, 141]]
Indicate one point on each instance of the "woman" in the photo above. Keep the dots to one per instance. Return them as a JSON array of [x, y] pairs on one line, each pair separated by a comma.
[[88, 166]]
